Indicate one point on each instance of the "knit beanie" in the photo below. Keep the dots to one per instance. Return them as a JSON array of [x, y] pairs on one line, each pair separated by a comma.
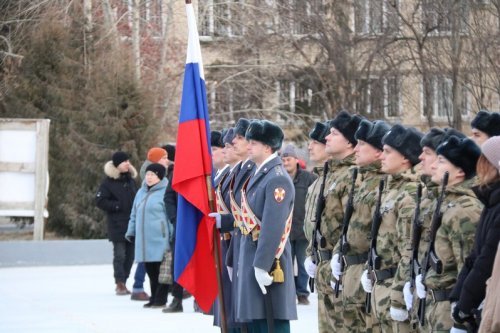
[[462, 153], [487, 122], [156, 154], [157, 169], [170, 151], [491, 150], [289, 151], [119, 157], [346, 124], [406, 141]]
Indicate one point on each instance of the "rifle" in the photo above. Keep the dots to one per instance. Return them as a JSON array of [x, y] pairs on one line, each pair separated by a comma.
[[415, 240], [431, 259], [316, 236], [344, 245], [374, 260]]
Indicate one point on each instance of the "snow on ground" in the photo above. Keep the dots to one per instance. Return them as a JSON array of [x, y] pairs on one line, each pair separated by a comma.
[[81, 299]]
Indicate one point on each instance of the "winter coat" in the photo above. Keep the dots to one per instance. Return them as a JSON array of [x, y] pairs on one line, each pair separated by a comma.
[[302, 180], [115, 196], [471, 285], [149, 223], [490, 322]]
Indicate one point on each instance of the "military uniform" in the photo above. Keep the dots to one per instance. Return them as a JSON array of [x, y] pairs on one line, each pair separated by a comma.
[[454, 240], [393, 247], [358, 238], [337, 186], [267, 204], [311, 202]]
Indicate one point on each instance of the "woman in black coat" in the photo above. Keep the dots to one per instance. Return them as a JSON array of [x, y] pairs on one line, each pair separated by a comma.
[[470, 289]]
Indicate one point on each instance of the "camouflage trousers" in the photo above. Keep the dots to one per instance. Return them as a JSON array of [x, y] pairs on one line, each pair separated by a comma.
[[329, 307], [353, 298], [381, 304], [437, 316]]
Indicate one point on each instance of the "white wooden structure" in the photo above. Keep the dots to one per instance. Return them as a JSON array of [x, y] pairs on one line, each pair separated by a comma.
[[24, 183]]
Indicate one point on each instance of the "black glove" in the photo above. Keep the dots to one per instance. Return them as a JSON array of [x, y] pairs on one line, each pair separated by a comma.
[[461, 317]]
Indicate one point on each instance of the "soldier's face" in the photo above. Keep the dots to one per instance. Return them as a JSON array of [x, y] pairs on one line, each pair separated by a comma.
[[478, 136], [229, 155], [392, 161], [317, 151], [442, 165], [258, 152], [217, 157], [365, 153], [336, 143], [240, 145], [427, 157], [290, 164]]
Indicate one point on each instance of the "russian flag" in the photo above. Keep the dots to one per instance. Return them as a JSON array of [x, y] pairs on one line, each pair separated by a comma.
[[194, 260]]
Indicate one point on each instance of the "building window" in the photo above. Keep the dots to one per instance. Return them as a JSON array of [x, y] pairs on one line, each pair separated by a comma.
[[220, 18], [231, 100], [378, 97], [297, 17], [444, 16], [441, 98], [298, 98], [375, 17]]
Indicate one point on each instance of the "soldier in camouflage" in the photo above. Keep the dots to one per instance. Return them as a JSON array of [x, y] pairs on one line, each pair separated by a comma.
[[398, 204], [368, 153], [429, 144], [454, 238], [340, 145]]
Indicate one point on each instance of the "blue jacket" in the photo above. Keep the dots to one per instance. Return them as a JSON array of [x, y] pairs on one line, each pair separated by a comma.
[[149, 223]]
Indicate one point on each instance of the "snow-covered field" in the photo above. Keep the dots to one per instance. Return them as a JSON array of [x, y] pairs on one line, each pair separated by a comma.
[[81, 299]]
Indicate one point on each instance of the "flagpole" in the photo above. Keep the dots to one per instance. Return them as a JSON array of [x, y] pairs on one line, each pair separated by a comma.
[[217, 251]]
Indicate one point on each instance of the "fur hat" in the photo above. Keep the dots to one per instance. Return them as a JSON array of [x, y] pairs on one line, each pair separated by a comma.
[[491, 150], [157, 169], [487, 122], [216, 139], [266, 132], [346, 124], [436, 136], [372, 132], [405, 140], [241, 127], [170, 151], [462, 153], [228, 138], [119, 157], [289, 151], [319, 132], [155, 154]]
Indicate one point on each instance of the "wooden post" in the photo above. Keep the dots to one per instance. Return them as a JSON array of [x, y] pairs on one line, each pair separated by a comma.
[[41, 176]]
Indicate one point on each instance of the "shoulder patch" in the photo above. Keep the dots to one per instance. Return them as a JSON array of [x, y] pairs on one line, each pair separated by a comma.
[[279, 194]]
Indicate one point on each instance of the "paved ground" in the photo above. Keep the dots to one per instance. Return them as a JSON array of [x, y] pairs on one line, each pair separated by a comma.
[[80, 298]]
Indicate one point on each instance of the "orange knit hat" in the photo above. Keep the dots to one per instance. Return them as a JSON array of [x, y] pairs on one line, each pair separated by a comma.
[[155, 154]]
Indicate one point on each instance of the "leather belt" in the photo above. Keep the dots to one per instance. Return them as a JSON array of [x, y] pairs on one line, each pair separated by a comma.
[[325, 255], [383, 274], [356, 259], [440, 295]]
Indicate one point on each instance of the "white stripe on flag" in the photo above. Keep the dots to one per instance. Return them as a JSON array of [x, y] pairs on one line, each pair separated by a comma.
[[193, 50]]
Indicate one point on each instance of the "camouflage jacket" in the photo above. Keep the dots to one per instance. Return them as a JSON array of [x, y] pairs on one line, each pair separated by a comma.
[[365, 199], [336, 193], [393, 239], [455, 237], [311, 201]]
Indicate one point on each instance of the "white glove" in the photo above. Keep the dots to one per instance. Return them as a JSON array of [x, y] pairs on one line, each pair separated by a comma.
[[333, 283], [263, 279], [366, 282], [398, 314], [230, 273], [335, 264], [421, 289], [217, 218], [310, 267], [408, 296], [457, 330]]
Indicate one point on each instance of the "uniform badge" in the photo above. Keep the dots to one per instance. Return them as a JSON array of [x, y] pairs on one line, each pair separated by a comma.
[[279, 194]]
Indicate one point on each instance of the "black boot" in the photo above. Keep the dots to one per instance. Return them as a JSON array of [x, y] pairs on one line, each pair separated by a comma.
[[175, 306]]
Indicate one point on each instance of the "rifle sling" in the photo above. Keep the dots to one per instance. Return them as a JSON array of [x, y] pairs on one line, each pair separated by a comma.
[[440, 295], [325, 255], [356, 259], [383, 274]]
